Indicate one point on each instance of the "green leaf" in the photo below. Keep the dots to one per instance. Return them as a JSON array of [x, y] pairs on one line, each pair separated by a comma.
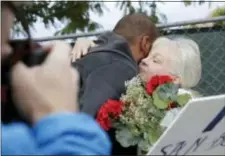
[[153, 135], [183, 99], [158, 102], [164, 95], [125, 137], [143, 145], [187, 2], [168, 92], [220, 11]]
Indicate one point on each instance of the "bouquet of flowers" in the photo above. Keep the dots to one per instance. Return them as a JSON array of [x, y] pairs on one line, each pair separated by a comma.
[[138, 117]]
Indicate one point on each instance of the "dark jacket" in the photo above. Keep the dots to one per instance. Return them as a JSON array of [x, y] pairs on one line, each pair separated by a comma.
[[103, 73]]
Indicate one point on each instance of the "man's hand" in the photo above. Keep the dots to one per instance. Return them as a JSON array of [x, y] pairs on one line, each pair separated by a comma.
[[81, 48], [49, 88]]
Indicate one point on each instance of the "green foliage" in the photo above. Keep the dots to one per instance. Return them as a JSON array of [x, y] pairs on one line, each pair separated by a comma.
[[165, 94], [215, 13], [139, 123], [154, 18], [187, 2], [143, 6], [126, 6], [199, 2], [125, 137], [168, 92], [75, 14], [153, 135], [183, 99], [158, 102], [219, 12]]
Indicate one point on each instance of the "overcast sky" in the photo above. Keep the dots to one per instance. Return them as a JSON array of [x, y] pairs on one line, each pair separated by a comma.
[[175, 12]]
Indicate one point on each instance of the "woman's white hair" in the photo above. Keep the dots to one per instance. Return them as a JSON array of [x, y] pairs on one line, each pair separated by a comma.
[[187, 62]]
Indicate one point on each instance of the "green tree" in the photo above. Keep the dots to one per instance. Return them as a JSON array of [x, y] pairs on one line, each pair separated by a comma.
[[155, 14], [74, 14], [199, 2], [219, 12]]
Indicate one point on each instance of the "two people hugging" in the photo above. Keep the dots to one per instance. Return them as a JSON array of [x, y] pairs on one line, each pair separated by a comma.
[[134, 47]]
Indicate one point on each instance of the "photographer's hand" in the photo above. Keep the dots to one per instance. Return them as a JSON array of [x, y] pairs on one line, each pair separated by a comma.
[[49, 88]]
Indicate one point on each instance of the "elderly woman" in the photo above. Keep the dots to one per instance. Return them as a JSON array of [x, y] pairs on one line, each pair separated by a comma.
[[179, 58]]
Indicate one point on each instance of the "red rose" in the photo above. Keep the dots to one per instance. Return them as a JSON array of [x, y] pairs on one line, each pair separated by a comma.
[[110, 110], [165, 79], [115, 108], [152, 84], [155, 81]]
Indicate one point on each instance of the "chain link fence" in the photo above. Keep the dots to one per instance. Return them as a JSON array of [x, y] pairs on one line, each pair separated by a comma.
[[211, 40]]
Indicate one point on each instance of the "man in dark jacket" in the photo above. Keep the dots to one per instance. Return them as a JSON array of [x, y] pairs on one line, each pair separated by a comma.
[[115, 60]]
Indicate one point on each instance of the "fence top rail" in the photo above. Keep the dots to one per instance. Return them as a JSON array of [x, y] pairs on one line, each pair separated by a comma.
[[161, 26], [199, 21]]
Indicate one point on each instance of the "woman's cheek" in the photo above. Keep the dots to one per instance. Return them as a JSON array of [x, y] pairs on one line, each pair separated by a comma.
[[148, 75], [144, 76]]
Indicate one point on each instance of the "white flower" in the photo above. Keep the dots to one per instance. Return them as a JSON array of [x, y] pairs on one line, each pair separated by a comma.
[[134, 81]]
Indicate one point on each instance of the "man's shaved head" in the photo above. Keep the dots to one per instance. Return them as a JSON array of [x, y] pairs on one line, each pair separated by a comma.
[[140, 33], [131, 26]]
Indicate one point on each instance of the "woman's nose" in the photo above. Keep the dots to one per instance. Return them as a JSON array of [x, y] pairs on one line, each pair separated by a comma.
[[143, 62]]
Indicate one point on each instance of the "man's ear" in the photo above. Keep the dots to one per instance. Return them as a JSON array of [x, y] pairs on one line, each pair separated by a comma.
[[146, 45]]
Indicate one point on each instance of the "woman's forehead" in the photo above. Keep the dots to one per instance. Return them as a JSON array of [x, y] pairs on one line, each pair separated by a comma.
[[165, 49]]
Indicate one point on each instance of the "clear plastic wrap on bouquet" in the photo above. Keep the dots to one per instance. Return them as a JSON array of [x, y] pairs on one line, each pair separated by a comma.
[[169, 117]]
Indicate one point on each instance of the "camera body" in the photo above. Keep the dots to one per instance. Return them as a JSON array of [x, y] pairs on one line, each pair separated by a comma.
[[31, 54]]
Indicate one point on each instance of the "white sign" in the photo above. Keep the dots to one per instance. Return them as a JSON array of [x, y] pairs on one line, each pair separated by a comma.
[[199, 129]]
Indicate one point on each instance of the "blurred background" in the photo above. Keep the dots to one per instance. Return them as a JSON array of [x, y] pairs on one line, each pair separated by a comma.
[[66, 17], [202, 21]]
